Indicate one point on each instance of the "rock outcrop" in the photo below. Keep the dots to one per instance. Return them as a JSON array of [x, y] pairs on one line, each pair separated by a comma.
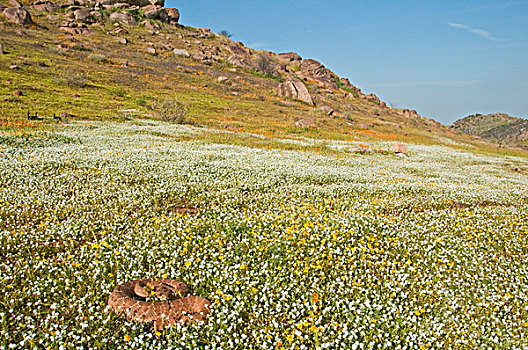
[[123, 18], [295, 89], [17, 15], [288, 57], [315, 70], [155, 12]]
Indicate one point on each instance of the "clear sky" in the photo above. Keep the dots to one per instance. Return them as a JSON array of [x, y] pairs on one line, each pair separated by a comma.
[[445, 58]]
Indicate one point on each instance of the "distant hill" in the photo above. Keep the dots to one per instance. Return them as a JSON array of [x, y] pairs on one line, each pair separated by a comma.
[[499, 127]]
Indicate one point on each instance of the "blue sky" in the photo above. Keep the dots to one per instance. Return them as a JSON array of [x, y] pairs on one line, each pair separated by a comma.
[[447, 59]]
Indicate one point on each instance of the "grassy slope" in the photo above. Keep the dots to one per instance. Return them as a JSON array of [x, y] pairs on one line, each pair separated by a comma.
[[92, 68]]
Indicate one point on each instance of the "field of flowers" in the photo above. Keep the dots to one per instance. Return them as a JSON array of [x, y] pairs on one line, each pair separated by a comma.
[[296, 250]]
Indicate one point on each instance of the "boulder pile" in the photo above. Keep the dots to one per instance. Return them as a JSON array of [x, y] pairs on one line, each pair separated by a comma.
[[81, 13]]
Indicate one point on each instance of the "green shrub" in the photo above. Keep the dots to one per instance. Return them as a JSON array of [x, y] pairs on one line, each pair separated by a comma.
[[96, 58], [225, 33], [118, 92], [170, 110]]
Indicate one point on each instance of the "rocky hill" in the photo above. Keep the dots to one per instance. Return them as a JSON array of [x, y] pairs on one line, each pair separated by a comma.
[[500, 128], [132, 59]]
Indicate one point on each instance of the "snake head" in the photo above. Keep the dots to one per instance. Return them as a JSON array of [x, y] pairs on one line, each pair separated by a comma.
[[140, 290]]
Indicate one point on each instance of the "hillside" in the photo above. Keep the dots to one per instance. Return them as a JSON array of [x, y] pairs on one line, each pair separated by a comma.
[[117, 61], [500, 128]]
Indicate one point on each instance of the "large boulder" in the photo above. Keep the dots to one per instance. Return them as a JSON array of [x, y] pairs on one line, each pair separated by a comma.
[[18, 15], [174, 15], [84, 15], [315, 70], [305, 123], [295, 89], [237, 48], [240, 61], [123, 18], [155, 12], [289, 57], [399, 148], [181, 52]]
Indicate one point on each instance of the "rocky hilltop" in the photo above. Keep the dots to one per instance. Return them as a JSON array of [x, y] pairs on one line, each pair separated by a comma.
[[96, 59], [498, 127]]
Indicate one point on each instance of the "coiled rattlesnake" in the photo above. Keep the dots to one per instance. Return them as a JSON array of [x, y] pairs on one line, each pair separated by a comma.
[[130, 298]]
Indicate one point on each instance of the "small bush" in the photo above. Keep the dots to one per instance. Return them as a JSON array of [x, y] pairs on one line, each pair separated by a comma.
[[225, 33], [96, 58], [118, 92], [264, 65], [170, 110], [137, 14], [141, 102], [73, 79]]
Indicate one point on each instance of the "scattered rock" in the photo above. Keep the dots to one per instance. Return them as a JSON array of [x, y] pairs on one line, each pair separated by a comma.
[[150, 25], [139, 3], [327, 110], [295, 89], [123, 40], [14, 67], [399, 148], [305, 123], [18, 15], [243, 62], [151, 51], [1, 49], [45, 6], [17, 92], [98, 16], [360, 149], [383, 104], [15, 3], [181, 52], [158, 2], [287, 104], [52, 18], [66, 115], [123, 18], [237, 49], [223, 80], [75, 95], [289, 57], [122, 6], [373, 98]]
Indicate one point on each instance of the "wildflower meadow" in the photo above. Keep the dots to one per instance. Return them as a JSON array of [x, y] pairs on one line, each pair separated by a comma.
[[294, 249]]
